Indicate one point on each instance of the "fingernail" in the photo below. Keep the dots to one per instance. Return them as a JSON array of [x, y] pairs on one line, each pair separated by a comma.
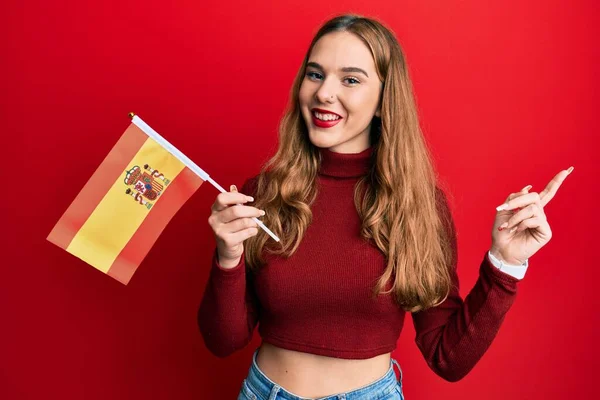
[[233, 188], [512, 230], [262, 212], [502, 207], [504, 225], [570, 170], [526, 188], [250, 198]]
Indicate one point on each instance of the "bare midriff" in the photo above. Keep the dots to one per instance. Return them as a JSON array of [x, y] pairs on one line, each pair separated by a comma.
[[311, 375]]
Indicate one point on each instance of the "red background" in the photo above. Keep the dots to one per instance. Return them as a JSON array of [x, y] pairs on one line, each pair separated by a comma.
[[508, 95]]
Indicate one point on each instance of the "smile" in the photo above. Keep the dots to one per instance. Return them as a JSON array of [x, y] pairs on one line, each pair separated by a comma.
[[324, 119]]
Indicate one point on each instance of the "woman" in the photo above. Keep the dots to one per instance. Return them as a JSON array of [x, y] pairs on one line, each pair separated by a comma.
[[366, 234]]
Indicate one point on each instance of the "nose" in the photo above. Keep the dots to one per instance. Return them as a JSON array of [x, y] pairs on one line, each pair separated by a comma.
[[326, 92]]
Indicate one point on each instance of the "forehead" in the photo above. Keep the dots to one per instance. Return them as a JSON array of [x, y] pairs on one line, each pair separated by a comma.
[[342, 49]]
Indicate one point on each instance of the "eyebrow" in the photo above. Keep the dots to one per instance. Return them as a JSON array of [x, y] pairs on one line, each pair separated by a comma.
[[343, 69]]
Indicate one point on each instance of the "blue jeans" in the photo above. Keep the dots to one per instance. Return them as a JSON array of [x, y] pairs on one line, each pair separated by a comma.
[[257, 386]]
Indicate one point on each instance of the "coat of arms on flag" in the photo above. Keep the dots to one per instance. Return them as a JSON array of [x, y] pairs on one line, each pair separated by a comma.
[[146, 185]]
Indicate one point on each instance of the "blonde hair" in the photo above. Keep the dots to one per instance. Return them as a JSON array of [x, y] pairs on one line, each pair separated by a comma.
[[401, 208]]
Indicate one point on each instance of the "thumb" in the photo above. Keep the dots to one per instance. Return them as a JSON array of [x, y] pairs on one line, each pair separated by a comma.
[[233, 188]]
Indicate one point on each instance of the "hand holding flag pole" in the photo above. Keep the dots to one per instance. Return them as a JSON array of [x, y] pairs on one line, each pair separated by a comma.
[[188, 163]]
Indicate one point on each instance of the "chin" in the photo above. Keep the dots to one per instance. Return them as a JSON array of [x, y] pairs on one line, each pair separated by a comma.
[[321, 139]]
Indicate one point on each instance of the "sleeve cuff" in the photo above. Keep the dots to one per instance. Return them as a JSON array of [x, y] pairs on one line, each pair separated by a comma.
[[516, 271], [227, 271]]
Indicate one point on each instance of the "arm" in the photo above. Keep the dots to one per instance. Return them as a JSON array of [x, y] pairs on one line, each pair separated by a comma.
[[229, 309], [454, 335]]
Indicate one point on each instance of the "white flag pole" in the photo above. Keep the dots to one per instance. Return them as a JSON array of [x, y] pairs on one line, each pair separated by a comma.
[[187, 162]]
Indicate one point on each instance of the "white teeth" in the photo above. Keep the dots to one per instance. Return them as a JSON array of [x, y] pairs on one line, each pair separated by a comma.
[[326, 117]]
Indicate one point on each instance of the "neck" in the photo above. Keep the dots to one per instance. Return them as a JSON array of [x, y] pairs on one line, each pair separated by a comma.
[[345, 165]]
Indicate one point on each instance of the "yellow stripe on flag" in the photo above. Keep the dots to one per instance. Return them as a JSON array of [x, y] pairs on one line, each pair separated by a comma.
[[116, 218]]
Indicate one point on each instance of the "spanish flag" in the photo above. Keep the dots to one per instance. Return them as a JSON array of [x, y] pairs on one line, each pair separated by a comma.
[[120, 212]]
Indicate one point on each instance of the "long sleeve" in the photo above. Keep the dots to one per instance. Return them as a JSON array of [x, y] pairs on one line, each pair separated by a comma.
[[454, 335], [229, 310]]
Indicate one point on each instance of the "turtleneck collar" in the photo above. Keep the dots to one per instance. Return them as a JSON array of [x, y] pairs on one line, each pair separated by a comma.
[[345, 165]]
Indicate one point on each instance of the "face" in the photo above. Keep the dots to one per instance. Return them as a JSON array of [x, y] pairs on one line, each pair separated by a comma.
[[340, 93]]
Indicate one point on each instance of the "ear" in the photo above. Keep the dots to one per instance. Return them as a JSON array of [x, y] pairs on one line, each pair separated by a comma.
[[378, 112]]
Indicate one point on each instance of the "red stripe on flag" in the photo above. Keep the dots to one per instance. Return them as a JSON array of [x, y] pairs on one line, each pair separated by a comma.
[[95, 189], [177, 193]]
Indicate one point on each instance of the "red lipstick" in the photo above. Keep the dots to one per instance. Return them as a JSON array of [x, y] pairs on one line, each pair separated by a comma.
[[324, 124]]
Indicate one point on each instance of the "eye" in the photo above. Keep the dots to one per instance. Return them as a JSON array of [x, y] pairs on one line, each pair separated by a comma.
[[312, 74], [350, 78]]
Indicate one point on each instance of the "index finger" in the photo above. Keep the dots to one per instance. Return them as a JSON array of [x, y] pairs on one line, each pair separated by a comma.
[[225, 199], [552, 187]]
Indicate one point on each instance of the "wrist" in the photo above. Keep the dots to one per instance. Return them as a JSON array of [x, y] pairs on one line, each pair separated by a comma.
[[228, 263], [506, 261]]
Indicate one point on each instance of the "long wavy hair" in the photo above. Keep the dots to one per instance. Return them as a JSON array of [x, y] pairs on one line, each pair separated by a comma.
[[402, 209]]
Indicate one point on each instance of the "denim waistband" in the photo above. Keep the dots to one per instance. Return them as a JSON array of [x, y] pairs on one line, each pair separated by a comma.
[[259, 383]]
